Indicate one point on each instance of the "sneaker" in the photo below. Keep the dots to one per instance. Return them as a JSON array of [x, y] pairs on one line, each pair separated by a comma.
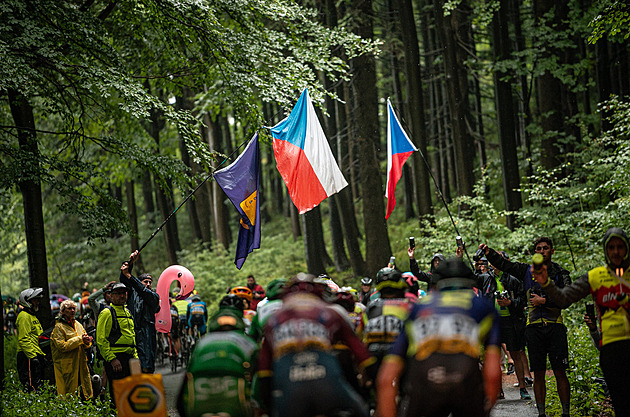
[[510, 369], [529, 381], [524, 394]]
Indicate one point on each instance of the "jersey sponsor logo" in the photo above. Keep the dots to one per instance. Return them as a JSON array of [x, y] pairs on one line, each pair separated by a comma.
[[450, 334], [298, 334], [225, 386], [383, 329], [307, 373]]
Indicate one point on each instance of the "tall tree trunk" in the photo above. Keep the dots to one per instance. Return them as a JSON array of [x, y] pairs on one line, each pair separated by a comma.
[[316, 256], [415, 99], [132, 213], [506, 116], [215, 141], [549, 94], [377, 246], [452, 31], [147, 196], [295, 220], [30, 187]]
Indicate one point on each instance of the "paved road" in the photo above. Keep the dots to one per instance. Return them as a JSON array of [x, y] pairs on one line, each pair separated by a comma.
[[511, 406], [172, 383]]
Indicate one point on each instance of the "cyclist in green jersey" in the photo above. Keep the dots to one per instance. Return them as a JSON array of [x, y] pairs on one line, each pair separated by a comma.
[[218, 377]]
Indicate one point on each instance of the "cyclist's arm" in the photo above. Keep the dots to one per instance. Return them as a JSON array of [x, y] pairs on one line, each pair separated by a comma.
[[386, 388]]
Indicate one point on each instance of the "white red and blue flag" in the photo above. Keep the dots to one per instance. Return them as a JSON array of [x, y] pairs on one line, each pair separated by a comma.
[[240, 182], [399, 148], [304, 158]]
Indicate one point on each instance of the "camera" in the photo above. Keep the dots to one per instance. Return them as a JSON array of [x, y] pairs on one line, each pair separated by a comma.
[[459, 241], [538, 292], [501, 295], [478, 255], [590, 311], [412, 243]]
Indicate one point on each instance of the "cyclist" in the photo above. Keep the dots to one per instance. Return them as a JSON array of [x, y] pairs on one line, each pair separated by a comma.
[[218, 377], [197, 314], [267, 308], [182, 308], [30, 357], [384, 316], [176, 329], [435, 361], [366, 291], [297, 365], [246, 294]]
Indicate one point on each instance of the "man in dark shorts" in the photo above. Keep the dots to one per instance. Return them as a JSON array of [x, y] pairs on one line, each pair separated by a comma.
[[298, 372], [545, 333], [435, 360]]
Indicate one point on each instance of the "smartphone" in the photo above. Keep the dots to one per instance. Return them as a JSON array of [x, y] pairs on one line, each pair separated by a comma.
[[412, 242], [460, 242], [392, 261], [590, 311]]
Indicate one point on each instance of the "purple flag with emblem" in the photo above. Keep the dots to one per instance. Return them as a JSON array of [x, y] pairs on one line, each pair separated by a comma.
[[239, 181]]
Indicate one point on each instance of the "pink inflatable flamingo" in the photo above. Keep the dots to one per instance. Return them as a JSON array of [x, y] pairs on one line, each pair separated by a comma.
[[186, 282]]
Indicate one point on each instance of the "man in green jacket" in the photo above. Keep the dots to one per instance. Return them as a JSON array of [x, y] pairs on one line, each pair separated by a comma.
[[116, 340], [30, 357]]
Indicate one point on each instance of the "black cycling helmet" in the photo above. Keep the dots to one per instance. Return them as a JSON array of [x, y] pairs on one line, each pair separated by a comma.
[[453, 274], [366, 281], [305, 283], [275, 288], [389, 278], [233, 301]]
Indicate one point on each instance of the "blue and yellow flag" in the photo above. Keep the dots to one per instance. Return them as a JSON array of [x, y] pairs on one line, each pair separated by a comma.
[[239, 182]]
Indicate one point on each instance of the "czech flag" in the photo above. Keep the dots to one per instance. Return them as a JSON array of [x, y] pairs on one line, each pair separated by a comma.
[[304, 158], [399, 148], [240, 182]]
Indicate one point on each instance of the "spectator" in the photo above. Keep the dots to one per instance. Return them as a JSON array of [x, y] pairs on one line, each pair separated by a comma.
[[116, 337], [233, 372], [94, 299], [143, 303], [68, 343], [435, 361], [610, 288], [258, 292], [415, 269], [506, 293], [544, 332], [30, 357]]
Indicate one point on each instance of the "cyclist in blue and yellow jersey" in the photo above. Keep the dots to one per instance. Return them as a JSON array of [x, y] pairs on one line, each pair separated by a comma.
[[218, 377], [435, 361], [385, 315], [197, 314], [609, 286]]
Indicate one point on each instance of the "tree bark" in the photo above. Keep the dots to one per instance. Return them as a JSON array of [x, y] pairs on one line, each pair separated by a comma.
[[415, 100], [214, 139], [452, 31], [147, 195], [377, 244], [132, 213], [30, 187], [506, 117], [316, 256]]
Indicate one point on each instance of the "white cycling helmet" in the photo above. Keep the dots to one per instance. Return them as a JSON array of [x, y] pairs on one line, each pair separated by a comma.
[[28, 294]]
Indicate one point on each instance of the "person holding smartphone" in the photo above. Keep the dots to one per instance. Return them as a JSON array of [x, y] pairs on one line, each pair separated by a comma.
[[609, 286]]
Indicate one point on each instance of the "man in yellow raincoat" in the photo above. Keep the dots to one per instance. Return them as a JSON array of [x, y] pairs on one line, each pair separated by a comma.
[[69, 341]]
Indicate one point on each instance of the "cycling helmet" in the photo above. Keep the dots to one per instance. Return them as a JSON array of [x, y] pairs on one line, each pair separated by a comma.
[[366, 281], [232, 300], [345, 298], [29, 294], [389, 278], [305, 283], [242, 292], [226, 319], [275, 288], [453, 274], [195, 298]]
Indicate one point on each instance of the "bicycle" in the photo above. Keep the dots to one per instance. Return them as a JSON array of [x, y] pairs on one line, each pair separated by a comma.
[[173, 355]]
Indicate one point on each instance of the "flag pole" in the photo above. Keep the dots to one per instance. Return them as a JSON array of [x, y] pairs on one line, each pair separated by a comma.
[[188, 197]]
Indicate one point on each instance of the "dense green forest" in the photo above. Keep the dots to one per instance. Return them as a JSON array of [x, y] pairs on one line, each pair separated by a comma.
[[114, 111]]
